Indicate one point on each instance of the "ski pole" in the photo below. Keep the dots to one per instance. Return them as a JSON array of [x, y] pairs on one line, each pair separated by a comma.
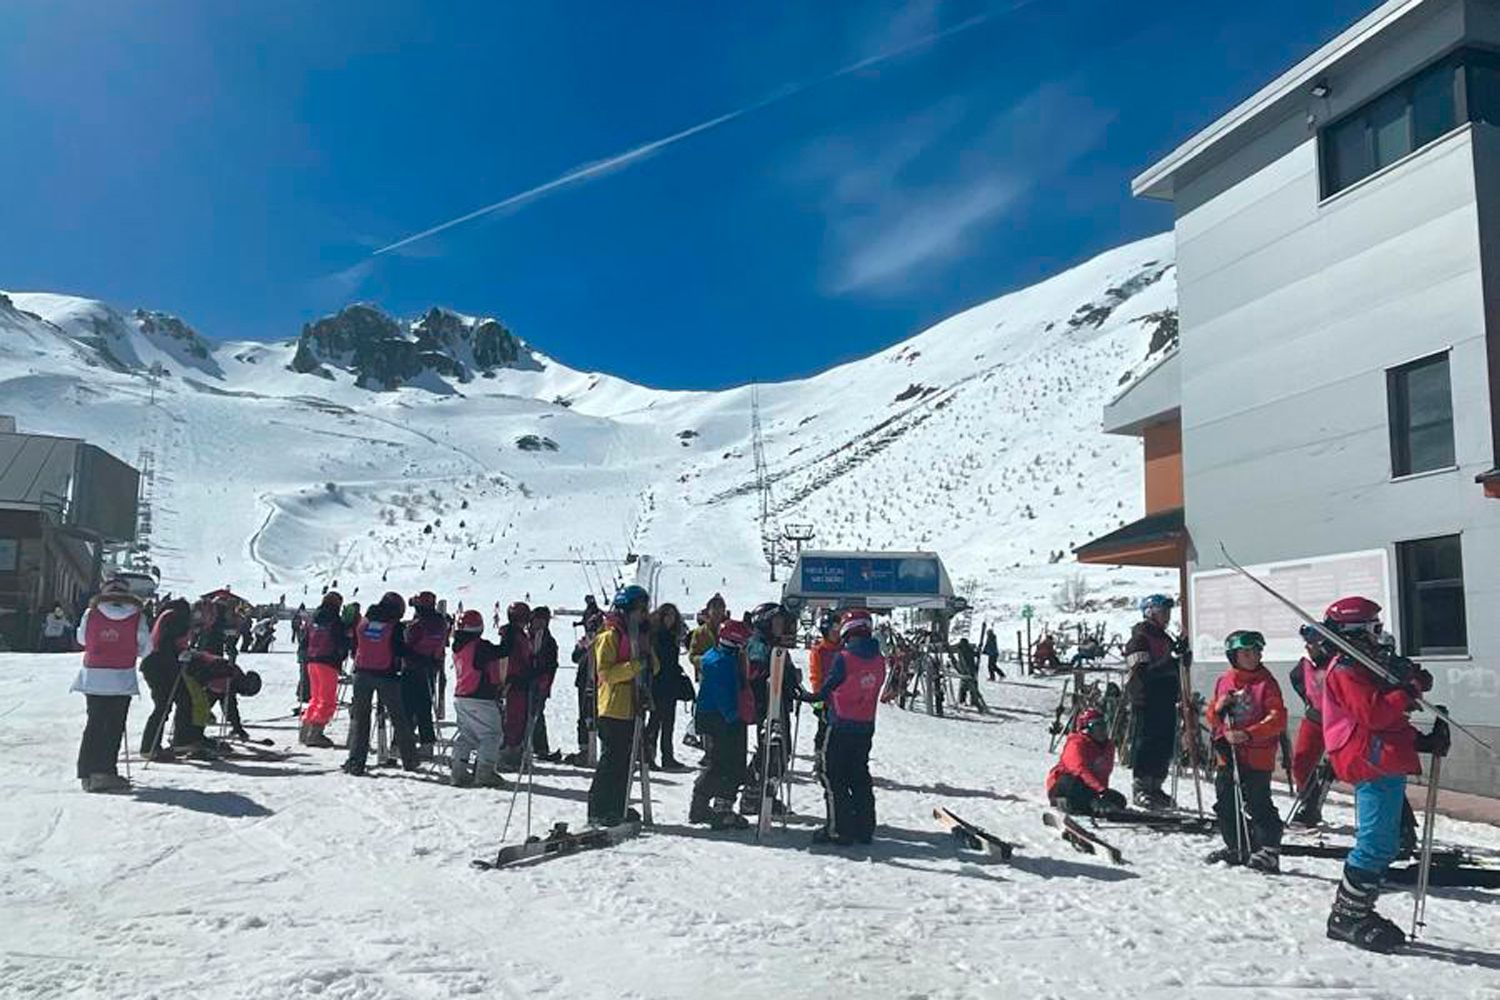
[[1424, 873], [1241, 824], [171, 707], [1344, 645]]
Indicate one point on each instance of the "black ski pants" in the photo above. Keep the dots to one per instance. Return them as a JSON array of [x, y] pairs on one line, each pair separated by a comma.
[[1155, 734], [610, 791], [416, 695], [847, 788], [992, 663], [722, 770], [585, 710], [662, 727], [102, 733], [366, 686], [1072, 796], [168, 693], [539, 744], [1260, 809], [775, 758], [304, 688]]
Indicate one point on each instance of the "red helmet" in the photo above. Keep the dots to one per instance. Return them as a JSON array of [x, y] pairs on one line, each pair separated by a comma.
[[1087, 718], [855, 622], [471, 621], [520, 611], [734, 634], [426, 599], [1352, 611]]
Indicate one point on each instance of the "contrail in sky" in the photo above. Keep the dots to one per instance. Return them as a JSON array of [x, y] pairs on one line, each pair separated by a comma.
[[596, 169]]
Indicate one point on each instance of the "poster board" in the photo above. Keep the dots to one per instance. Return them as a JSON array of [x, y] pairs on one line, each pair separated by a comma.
[[1223, 601]]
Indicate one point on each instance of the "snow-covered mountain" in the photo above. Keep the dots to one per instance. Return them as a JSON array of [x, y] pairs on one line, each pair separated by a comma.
[[449, 453]]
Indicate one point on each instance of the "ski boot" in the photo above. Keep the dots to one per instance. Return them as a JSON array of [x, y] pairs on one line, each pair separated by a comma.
[[352, 769], [105, 783], [1265, 859], [1148, 795], [1308, 817], [822, 836], [721, 816], [1225, 856], [315, 738], [699, 811], [1353, 918]]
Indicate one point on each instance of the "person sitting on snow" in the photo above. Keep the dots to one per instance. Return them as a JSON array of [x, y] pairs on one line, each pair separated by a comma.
[[1079, 782]]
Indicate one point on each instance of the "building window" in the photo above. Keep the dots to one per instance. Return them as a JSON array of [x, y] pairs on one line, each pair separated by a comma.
[[1484, 92], [1421, 416], [10, 549], [1405, 118], [1432, 596]]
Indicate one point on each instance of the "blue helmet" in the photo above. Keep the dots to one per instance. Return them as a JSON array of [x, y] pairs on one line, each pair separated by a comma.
[[629, 597], [1156, 602]]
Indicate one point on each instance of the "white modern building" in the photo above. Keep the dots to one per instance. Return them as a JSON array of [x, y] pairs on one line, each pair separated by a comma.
[[1330, 406]]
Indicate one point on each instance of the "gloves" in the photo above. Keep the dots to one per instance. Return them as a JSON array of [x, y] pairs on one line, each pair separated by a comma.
[[1436, 742], [1421, 680], [1236, 737], [1107, 801]]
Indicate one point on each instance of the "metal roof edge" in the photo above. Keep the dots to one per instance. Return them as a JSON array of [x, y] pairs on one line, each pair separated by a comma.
[[1153, 181]]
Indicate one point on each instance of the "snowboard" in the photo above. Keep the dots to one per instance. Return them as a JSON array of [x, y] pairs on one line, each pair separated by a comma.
[[558, 842], [1080, 838], [974, 838]]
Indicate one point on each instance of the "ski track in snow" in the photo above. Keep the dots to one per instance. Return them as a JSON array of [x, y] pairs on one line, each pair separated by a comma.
[[260, 880]]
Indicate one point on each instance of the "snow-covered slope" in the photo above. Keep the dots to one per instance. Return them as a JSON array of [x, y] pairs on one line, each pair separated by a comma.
[[480, 474]]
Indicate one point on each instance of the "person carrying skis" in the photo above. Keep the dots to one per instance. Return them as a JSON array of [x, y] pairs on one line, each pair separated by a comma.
[[378, 648], [851, 690], [1307, 752], [664, 628], [1246, 717], [162, 669], [323, 649], [722, 712], [113, 634], [991, 652], [1373, 746], [1079, 782], [771, 627], [425, 637], [819, 659], [478, 673], [706, 635], [544, 660], [620, 654], [1154, 661]]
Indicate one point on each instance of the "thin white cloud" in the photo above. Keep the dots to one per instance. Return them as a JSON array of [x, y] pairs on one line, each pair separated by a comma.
[[618, 161]]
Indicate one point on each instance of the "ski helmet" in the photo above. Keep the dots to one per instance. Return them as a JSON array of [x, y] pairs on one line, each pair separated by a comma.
[[333, 599], [764, 614], [519, 611], [426, 599], [717, 599], [115, 585], [1242, 639], [471, 621], [1353, 616], [541, 613], [1087, 719], [631, 597], [395, 602], [733, 634], [247, 684], [856, 622], [1156, 602]]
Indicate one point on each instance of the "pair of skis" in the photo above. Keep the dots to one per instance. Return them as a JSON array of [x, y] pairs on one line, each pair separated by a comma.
[[974, 839], [558, 842], [772, 750]]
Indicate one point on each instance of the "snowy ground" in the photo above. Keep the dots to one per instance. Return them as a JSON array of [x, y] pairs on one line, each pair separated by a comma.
[[277, 880]]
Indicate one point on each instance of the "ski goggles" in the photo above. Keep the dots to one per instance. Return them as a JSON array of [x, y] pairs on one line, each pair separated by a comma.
[[1244, 640]]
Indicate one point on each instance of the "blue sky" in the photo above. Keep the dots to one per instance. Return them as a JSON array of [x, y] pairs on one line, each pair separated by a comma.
[[239, 164]]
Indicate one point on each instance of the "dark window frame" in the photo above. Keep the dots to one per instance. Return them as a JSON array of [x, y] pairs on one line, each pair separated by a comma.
[[1457, 62], [1399, 425], [1410, 592]]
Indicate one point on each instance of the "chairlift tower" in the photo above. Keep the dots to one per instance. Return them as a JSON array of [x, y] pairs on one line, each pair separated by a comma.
[[768, 537]]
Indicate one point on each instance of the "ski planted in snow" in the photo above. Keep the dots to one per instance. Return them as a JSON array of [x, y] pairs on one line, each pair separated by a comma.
[[973, 838], [774, 740], [560, 841], [1080, 838]]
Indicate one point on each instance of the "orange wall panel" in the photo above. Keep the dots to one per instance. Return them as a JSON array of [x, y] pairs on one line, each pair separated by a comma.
[[1163, 466]]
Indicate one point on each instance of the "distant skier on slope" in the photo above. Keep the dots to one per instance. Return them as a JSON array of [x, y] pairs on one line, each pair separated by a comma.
[[1153, 660], [619, 656], [113, 635], [1246, 717], [723, 712], [1372, 746], [851, 690], [1079, 782]]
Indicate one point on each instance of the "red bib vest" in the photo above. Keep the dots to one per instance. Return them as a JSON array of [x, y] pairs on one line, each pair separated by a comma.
[[856, 698], [375, 646], [110, 644]]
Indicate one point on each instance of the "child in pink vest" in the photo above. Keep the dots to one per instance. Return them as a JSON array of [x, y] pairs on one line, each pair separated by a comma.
[[114, 634]]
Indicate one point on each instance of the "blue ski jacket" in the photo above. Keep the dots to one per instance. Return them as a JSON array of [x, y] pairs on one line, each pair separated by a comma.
[[719, 691]]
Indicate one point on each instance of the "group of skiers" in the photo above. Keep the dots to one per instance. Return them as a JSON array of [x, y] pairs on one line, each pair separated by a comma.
[[1355, 728]]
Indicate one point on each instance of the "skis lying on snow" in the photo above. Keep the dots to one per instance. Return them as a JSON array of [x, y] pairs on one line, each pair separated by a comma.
[[560, 841], [1080, 838], [974, 838], [1159, 822]]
